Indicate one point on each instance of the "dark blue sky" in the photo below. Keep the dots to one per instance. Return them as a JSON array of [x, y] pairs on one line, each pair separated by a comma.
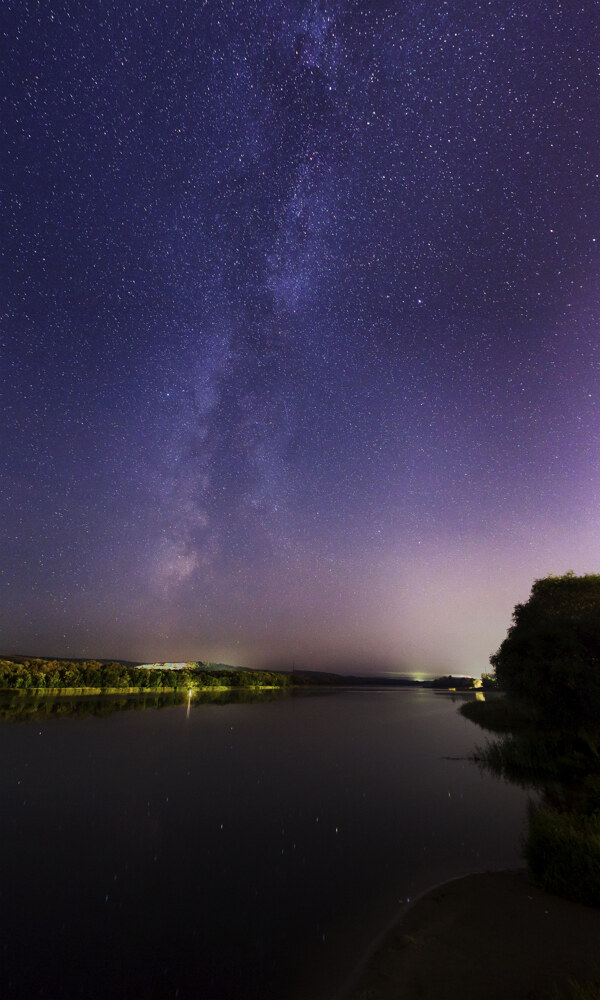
[[300, 326]]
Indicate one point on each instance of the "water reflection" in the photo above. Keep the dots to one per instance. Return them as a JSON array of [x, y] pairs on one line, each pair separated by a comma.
[[531, 755], [44, 708], [25, 707]]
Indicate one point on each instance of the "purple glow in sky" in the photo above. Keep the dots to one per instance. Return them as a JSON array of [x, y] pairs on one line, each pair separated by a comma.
[[300, 327]]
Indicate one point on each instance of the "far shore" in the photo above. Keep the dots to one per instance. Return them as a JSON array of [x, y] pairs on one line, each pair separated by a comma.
[[492, 935], [135, 690], [70, 691]]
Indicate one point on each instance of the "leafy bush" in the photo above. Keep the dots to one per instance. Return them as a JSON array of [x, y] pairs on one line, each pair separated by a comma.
[[562, 851], [580, 991]]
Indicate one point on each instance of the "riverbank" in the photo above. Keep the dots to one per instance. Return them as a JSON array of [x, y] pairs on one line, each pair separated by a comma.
[[492, 936]]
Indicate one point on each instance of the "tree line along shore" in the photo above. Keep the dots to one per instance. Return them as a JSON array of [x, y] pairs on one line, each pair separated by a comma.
[[61, 676], [93, 676]]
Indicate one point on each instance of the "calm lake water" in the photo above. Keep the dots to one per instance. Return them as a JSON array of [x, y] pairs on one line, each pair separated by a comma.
[[234, 851]]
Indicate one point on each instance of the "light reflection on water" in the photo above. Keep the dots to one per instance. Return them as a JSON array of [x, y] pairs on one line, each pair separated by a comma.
[[232, 849]]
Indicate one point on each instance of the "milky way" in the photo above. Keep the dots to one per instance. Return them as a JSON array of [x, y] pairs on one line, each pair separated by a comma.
[[300, 326]]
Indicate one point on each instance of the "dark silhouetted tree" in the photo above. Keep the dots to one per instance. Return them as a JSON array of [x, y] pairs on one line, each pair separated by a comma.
[[551, 654]]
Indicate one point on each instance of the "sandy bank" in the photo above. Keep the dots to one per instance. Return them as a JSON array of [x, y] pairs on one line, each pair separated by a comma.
[[484, 937]]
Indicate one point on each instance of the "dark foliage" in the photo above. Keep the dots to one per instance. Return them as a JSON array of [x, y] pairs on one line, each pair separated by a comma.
[[452, 683], [563, 854], [499, 715], [549, 666], [551, 655]]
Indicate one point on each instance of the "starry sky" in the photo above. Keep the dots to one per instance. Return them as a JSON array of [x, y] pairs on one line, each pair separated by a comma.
[[299, 326]]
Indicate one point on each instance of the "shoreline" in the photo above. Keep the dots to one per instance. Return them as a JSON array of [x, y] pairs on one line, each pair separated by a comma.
[[71, 691], [488, 934]]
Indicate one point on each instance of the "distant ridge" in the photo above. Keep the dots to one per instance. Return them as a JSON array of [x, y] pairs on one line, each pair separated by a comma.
[[22, 658]]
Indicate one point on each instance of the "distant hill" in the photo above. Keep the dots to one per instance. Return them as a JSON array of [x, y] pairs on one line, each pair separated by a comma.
[[307, 677], [20, 658]]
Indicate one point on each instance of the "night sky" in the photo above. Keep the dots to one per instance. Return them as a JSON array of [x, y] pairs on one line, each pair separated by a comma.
[[299, 326]]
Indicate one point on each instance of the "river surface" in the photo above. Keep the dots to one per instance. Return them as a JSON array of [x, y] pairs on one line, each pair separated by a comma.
[[233, 851]]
